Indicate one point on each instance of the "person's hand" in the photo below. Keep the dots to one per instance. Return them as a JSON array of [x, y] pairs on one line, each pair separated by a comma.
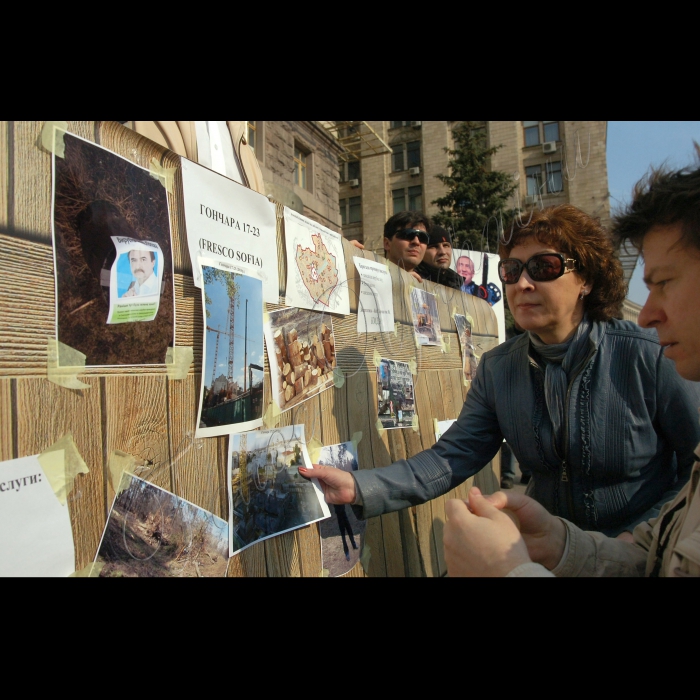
[[543, 533], [416, 275], [480, 539], [357, 244], [626, 536], [338, 485]]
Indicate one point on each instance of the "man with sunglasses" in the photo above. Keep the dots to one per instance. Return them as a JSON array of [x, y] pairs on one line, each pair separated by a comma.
[[436, 261], [406, 239]]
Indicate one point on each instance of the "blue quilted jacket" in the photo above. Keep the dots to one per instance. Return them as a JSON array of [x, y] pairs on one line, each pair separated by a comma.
[[630, 430]]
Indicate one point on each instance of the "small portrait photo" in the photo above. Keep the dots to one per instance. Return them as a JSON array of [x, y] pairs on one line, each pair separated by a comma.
[[137, 273], [426, 321], [342, 535]]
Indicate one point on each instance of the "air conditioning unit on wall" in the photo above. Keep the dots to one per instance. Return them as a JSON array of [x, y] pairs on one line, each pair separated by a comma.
[[549, 147], [354, 183], [414, 171]]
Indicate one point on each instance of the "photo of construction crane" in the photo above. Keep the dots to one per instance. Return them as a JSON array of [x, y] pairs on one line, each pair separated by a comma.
[[233, 367]]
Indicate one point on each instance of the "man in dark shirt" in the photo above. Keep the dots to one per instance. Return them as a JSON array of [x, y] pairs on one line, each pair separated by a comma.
[[436, 261]]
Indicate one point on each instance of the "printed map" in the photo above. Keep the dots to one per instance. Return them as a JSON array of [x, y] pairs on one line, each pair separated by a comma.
[[318, 270], [316, 274]]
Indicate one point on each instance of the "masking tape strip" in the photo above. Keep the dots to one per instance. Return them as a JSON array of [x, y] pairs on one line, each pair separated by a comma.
[[445, 343], [325, 573], [272, 414], [356, 438], [376, 358], [396, 329], [380, 427], [412, 367], [314, 447], [52, 137], [338, 378], [63, 364], [435, 425], [365, 557], [166, 176], [92, 570], [471, 321], [119, 462], [414, 424], [178, 361], [62, 463]]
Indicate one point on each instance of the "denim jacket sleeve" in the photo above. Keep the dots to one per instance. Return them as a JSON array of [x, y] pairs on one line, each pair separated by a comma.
[[463, 450]]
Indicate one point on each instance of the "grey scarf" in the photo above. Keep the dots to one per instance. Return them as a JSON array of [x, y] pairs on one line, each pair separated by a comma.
[[562, 361]]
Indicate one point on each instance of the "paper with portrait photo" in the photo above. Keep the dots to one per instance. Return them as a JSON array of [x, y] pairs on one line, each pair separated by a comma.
[[135, 281], [316, 275], [267, 495], [230, 223], [231, 394], [36, 538], [375, 309]]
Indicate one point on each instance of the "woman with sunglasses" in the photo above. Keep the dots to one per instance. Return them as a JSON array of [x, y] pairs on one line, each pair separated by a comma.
[[586, 401]]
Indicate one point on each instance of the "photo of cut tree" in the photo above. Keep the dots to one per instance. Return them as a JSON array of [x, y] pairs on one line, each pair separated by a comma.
[[152, 533]]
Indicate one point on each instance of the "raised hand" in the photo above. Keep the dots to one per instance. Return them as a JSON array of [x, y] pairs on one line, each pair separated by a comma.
[[338, 486]]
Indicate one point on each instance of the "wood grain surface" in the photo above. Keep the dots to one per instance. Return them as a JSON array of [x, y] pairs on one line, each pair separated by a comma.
[[141, 411]]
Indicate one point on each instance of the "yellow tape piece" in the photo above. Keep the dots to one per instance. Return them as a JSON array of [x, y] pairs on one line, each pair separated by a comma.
[[377, 358], [52, 137], [338, 377], [396, 329], [166, 176], [314, 447], [471, 321], [178, 361], [272, 414], [325, 573], [119, 462], [380, 427], [445, 343], [435, 425], [414, 424], [63, 364], [62, 463], [412, 367], [356, 438], [92, 570], [365, 557]]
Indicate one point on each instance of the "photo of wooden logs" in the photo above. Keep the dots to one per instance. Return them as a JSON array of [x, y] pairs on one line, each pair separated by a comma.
[[304, 348]]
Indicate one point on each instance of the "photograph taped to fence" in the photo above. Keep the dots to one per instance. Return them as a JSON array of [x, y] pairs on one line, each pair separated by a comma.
[[426, 320], [316, 274], [151, 532], [232, 387], [301, 354], [342, 535], [466, 345], [267, 495], [100, 198], [395, 394]]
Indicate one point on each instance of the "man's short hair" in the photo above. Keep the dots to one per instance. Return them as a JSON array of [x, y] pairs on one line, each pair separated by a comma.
[[151, 253], [662, 198], [403, 220]]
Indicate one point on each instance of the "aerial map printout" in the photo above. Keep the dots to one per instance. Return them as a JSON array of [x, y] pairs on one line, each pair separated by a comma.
[[316, 275]]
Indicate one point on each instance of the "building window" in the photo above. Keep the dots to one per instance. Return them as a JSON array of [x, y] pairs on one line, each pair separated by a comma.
[[349, 170], [414, 196], [553, 182], [396, 125], [539, 132], [405, 155], [351, 210], [300, 167], [252, 134]]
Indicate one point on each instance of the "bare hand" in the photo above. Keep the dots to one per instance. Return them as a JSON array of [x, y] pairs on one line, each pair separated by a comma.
[[357, 244], [416, 275], [338, 486], [626, 536], [480, 539], [544, 534]]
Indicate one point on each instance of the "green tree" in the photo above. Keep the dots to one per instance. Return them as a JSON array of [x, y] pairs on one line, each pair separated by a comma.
[[228, 279], [474, 207]]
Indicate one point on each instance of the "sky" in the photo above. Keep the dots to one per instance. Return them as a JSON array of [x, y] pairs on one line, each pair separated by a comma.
[[631, 148], [251, 289]]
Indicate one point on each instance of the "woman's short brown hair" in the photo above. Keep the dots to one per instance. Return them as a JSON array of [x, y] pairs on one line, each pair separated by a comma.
[[576, 234]]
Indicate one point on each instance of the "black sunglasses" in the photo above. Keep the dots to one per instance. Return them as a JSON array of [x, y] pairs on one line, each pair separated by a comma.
[[408, 234], [543, 267]]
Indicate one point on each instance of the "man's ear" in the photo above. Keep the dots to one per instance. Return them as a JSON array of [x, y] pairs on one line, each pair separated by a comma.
[[387, 244]]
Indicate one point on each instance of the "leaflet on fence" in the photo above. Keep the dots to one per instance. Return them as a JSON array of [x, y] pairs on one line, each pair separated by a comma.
[[316, 275], [232, 387], [230, 223], [375, 310], [135, 280], [36, 538], [267, 495]]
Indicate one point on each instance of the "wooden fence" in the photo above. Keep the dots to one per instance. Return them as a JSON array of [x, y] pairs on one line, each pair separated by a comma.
[[140, 411]]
